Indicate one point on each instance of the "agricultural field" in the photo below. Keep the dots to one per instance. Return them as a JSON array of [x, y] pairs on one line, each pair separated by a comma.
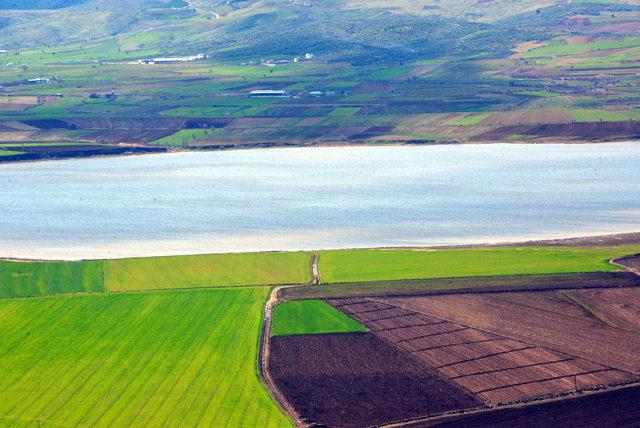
[[356, 379], [311, 317], [141, 359], [380, 265], [495, 367], [447, 72], [471, 284], [23, 279], [216, 270]]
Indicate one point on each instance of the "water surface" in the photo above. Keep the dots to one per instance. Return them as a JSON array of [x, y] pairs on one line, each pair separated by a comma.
[[312, 198]]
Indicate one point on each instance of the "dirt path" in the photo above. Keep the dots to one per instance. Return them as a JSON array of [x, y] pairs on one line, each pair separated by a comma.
[[265, 352], [265, 344], [628, 263], [315, 269]]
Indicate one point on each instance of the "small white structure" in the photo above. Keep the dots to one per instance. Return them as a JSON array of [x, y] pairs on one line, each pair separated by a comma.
[[272, 93]]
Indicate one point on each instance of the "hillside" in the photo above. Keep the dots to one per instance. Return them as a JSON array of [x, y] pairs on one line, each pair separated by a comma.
[[352, 72]]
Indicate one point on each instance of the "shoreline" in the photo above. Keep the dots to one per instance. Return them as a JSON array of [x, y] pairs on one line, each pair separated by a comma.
[[276, 146], [588, 240]]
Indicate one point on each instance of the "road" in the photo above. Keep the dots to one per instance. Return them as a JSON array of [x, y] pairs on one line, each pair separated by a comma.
[[265, 344]]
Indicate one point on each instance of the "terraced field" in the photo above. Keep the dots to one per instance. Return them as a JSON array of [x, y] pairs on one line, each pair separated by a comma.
[[496, 368], [142, 359]]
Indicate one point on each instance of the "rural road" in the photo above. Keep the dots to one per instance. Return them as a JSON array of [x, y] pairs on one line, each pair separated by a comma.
[[628, 263], [265, 344], [198, 9]]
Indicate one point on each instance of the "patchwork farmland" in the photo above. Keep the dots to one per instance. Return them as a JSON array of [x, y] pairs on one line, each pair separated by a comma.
[[175, 340]]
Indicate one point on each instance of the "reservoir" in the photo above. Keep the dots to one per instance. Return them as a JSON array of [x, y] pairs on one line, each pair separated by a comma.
[[316, 198]]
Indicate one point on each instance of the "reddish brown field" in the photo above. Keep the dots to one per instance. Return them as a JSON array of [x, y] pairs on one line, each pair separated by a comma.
[[357, 379], [616, 307], [493, 365], [551, 320]]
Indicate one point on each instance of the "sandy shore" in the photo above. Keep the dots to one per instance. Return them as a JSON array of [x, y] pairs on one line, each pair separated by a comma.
[[156, 249]]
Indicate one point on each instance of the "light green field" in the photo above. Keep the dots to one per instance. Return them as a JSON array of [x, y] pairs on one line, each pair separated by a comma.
[[224, 270], [9, 153], [562, 48], [593, 115], [311, 317], [344, 111], [376, 265], [469, 119], [135, 359], [19, 279], [184, 137], [154, 273]]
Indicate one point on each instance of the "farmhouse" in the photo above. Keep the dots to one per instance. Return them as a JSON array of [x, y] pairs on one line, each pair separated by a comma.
[[172, 60], [270, 93]]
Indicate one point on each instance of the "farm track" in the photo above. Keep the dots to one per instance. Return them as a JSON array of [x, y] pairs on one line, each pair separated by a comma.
[[265, 355]]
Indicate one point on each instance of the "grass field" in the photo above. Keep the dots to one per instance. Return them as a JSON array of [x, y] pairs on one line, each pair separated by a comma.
[[377, 265], [9, 153], [311, 317], [183, 137], [207, 271], [141, 359], [154, 273], [592, 115], [19, 279]]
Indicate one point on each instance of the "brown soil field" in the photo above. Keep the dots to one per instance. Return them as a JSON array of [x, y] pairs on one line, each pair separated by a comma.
[[465, 285], [616, 408], [529, 117], [632, 263], [618, 308], [357, 379], [552, 320], [566, 132], [494, 367]]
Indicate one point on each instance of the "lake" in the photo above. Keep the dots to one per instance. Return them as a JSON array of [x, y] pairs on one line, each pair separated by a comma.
[[316, 198]]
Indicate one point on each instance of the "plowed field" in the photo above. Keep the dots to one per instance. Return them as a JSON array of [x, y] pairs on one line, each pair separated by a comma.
[[357, 379], [495, 367]]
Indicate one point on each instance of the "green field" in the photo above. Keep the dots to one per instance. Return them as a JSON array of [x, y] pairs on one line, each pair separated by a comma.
[[214, 270], [19, 279], [377, 265], [183, 137], [592, 115], [469, 119], [141, 359], [311, 317], [9, 153]]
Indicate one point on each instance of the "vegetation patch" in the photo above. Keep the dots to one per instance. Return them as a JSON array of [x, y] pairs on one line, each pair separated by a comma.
[[213, 270], [184, 137], [372, 265], [25, 279], [311, 317], [134, 359], [469, 119], [593, 115]]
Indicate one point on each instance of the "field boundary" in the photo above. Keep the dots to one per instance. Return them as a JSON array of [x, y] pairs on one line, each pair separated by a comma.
[[464, 285], [264, 354]]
